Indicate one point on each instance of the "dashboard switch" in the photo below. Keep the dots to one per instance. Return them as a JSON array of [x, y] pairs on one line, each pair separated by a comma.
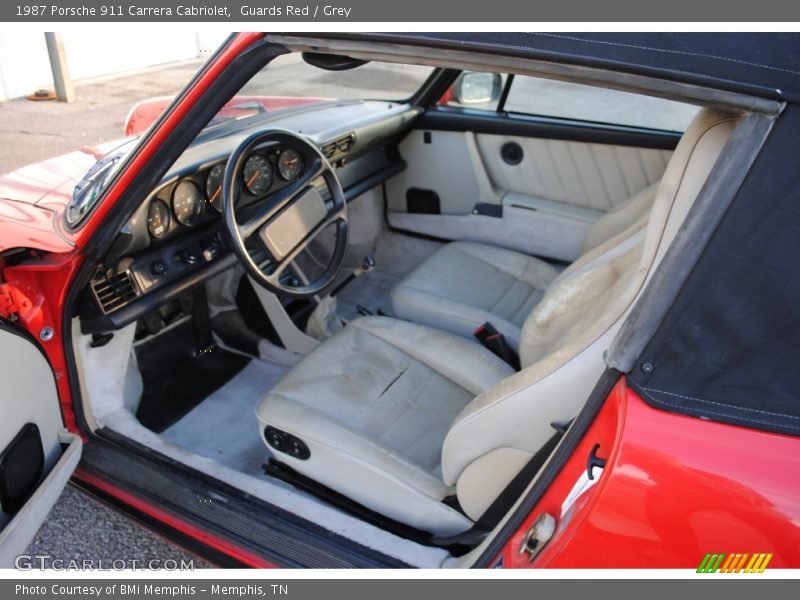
[[187, 257], [211, 252], [158, 268]]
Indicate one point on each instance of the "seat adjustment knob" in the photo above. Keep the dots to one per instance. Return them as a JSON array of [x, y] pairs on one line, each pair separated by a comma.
[[286, 443]]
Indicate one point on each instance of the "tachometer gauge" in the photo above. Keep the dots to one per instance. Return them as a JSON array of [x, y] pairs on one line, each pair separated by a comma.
[[257, 174], [214, 186], [157, 219], [187, 202], [290, 164]]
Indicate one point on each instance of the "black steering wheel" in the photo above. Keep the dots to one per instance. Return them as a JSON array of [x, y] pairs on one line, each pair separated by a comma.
[[282, 224]]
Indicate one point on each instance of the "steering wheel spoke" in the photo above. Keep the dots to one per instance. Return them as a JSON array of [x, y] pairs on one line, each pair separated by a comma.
[[293, 207]]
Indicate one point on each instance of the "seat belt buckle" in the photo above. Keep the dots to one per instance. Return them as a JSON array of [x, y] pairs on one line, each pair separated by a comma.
[[496, 343], [480, 332]]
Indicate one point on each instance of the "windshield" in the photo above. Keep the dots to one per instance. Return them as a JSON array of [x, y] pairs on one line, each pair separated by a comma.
[[285, 83], [94, 182], [288, 82]]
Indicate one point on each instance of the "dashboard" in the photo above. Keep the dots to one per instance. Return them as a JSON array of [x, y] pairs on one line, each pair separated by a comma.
[[176, 238], [196, 198]]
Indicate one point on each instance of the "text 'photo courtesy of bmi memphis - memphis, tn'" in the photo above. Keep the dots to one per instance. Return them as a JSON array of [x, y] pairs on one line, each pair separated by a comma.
[[437, 300]]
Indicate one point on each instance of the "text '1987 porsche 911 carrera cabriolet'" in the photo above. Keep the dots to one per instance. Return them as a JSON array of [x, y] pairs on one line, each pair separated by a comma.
[[509, 300]]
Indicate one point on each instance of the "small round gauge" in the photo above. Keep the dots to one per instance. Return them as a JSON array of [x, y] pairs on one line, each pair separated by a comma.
[[214, 186], [257, 174], [187, 202], [290, 164], [158, 219]]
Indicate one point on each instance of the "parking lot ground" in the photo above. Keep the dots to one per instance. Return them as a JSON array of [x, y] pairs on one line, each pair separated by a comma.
[[31, 131], [81, 528]]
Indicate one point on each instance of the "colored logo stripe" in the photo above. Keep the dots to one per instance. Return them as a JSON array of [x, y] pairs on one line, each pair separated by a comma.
[[735, 563], [710, 563]]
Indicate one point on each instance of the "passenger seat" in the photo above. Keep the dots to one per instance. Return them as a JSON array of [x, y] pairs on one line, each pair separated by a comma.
[[466, 284]]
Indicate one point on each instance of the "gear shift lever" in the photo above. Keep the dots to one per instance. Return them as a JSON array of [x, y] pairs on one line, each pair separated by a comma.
[[367, 264]]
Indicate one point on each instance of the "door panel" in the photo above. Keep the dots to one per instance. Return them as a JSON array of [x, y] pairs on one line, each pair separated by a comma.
[[447, 163], [37, 455], [594, 176], [513, 188]]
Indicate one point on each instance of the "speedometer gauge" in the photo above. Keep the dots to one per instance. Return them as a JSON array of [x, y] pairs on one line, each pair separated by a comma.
[[214, 186], [187, 202], [157, 219], [257, 174], [290, 164]]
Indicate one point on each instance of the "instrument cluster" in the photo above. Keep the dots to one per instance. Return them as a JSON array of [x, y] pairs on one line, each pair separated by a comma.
[[197, 197]]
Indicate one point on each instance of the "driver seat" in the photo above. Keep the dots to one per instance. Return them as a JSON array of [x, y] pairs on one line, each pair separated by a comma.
[[401, 417]]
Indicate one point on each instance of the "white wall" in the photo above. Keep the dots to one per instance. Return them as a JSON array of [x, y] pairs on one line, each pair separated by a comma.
[[24, 65]]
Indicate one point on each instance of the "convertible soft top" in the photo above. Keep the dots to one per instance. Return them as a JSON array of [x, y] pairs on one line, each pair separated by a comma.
[[762, 64]]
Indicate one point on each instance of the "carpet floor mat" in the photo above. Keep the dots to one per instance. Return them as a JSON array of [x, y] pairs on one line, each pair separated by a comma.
[[175, 380], [224, 427]]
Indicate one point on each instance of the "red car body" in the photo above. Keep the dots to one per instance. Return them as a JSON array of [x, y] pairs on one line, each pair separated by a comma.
[[730, 488], [144, 114]]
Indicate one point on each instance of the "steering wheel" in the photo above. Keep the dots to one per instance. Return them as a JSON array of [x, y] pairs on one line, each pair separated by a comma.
[[285, 222]]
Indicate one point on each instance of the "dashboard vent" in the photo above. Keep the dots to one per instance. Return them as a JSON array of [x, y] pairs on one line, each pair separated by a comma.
[[114, 292], [339, 146]]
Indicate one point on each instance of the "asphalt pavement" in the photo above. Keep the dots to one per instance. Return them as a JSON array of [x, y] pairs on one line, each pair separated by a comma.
[[81, 528], [31, 131]]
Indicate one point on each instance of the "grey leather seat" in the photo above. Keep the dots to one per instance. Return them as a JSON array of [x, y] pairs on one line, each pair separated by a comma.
[[466, 284], [399, 416]]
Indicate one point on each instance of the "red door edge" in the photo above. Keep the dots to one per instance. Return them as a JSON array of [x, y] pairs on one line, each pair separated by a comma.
[[213, 541], [674, 488]]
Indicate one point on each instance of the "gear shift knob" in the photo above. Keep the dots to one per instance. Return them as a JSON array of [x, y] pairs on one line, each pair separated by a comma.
[[367, 263]]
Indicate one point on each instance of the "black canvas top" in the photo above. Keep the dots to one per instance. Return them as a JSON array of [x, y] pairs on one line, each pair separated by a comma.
[[763, 64], [729, 347]]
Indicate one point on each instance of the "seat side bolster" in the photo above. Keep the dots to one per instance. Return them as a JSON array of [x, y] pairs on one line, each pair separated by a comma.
[[520, 409], [361, 469], [464, 362]]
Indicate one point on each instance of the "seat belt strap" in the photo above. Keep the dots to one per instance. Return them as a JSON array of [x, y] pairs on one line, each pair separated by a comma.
[[501, 505], [496, 343]]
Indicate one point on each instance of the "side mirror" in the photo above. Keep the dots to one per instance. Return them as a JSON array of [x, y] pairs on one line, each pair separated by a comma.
[[473, 87]]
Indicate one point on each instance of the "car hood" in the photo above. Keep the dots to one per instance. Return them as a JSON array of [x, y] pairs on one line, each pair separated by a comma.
[[33, 199]]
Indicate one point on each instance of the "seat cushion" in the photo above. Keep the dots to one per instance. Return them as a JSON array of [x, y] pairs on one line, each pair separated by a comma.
[[373, 404], [464, 285]]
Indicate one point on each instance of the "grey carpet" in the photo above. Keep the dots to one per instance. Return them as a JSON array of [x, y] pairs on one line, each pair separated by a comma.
[[223, 427], [396, 256], [371, 291]]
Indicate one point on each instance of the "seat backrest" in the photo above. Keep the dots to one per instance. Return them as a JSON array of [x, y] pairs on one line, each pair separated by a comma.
[[564, 338], [619, 219]]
